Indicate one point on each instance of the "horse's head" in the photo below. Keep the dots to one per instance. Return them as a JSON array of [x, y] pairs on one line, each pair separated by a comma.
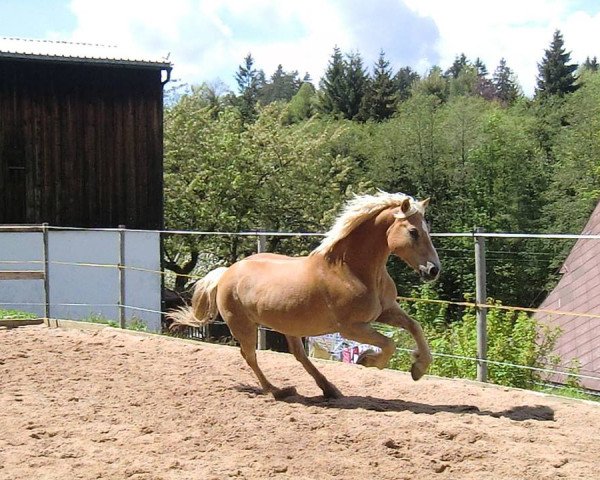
[[408, 238]]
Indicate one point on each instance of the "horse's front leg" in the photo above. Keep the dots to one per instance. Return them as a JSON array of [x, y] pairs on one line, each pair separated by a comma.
[[397, 317]]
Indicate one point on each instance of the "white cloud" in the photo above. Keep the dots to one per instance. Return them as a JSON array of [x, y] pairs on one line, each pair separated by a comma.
[[209, 38], [517, 30], [122, 21], [582, 35]]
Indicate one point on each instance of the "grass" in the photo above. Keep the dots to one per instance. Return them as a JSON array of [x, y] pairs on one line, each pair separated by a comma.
[[16, 315], [134, 324], [568, 392]]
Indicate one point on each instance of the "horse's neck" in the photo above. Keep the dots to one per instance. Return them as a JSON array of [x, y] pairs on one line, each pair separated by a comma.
[[365, 251]]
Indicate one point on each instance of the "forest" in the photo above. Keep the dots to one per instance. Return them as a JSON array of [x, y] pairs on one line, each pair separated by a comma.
[[283, 153]]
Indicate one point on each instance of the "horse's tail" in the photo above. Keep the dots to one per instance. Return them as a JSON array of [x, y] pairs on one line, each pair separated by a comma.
[[204, 303]]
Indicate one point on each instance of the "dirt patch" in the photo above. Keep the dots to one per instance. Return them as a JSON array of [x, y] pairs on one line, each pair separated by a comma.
[[110, 405]]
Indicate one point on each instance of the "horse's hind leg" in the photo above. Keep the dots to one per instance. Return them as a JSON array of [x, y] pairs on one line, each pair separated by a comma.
[[297, 349], [246, 333]]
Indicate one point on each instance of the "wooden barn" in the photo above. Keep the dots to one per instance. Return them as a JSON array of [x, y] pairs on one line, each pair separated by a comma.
[[81, 135], [578, 291]]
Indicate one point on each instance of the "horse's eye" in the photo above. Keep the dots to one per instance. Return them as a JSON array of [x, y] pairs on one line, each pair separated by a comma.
[[414, 234]]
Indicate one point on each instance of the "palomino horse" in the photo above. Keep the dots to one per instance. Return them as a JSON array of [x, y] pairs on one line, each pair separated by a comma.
[[342, 286]]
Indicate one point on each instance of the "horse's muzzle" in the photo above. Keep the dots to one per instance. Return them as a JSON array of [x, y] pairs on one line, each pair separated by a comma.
[[429, 272]]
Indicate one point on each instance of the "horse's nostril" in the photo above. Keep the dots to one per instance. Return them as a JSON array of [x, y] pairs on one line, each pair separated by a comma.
[[429, 271]]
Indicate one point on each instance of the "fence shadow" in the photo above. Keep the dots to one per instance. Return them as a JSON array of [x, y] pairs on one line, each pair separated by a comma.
[[520, 413]]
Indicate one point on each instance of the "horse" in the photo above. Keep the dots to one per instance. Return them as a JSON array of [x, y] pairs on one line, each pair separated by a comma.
[[341, 286]]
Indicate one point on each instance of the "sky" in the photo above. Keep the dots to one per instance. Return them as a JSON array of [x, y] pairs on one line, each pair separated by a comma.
[[207, 40]]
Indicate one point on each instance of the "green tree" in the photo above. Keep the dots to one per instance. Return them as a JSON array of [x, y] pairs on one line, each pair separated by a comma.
[[303, 180], [590, 65], [333, 85], [282, 86], [575, 187], [466, 78], [249, 84], [506, 180], [460, 62], [506, 174], [462, 122], [465, 83], [435, 83], [480, 67], [417, 147], [344, 85], [555, 73], [357, 82], [404, 81], [380, 99], [222, 174], [505, 85], [302, 106]]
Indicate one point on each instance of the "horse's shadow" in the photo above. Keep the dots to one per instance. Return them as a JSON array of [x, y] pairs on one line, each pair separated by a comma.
[[520, 413]]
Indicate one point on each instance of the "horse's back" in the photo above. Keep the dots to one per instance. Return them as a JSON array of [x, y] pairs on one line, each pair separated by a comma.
[[269, 275], [284, 293]]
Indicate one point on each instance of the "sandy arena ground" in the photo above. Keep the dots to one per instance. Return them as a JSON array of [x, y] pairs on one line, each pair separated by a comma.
[[111, 405]]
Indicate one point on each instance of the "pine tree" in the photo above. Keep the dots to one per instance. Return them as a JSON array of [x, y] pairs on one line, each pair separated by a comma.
[[556, 74], [356, 84], [302, 105], [506, 89], [460, 62], [404, 80], [435, 84], [281, 86], [344, 85], [249, 82], [481, 68], [591, 65], [380, 99], [333, 85]]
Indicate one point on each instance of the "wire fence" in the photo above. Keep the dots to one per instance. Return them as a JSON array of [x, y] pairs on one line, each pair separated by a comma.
[[584, 371]]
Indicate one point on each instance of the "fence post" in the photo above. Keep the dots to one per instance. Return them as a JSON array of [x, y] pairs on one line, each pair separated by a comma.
[[122, 322], [46, 273], [261, 247], [481, 298]]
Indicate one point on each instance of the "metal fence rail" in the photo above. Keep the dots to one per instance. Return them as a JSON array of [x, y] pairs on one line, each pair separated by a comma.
[[480, 305]]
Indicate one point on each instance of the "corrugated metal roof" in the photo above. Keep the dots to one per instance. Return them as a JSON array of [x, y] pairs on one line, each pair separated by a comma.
[[53, 50]]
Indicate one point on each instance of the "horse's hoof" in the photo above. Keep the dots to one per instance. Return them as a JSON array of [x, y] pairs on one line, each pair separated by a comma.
[[415, 372], [332, 392], [281, 393], [365, 358]]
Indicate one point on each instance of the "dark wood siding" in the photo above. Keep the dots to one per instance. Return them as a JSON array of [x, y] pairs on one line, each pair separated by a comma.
[[80, 145]]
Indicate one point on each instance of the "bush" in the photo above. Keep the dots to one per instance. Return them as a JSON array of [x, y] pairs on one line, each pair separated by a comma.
[[515, 340]]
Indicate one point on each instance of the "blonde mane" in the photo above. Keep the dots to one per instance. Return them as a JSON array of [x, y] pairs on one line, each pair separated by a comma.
[[359, 209]]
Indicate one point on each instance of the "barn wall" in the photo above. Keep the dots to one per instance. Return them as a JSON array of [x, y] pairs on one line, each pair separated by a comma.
[[80, 145]]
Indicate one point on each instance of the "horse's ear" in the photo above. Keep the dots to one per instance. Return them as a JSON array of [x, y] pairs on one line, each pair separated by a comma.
[[425, 202], [405, 206]]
